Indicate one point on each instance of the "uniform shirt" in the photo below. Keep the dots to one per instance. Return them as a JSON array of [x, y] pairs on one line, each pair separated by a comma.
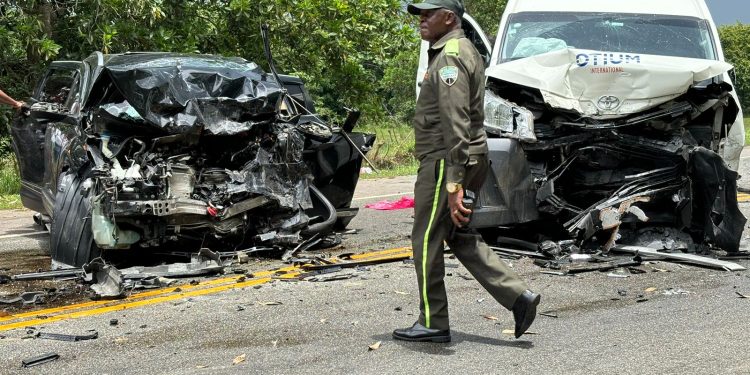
[[449, 117]]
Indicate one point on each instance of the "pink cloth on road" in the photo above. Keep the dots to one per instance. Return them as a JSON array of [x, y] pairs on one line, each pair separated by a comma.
[[404, 202]]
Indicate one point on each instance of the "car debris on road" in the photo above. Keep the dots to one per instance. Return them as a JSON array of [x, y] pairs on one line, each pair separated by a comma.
[[40, 359], [63, 337], [108, 282]]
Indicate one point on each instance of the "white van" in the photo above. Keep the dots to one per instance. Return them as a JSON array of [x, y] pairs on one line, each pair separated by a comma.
[[602, 114]]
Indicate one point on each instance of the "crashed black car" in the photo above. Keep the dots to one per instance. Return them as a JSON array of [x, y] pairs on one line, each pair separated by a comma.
[[139, 152]]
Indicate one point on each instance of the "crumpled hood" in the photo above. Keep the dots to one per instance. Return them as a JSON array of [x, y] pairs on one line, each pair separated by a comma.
[[607, 84], [180, 93]]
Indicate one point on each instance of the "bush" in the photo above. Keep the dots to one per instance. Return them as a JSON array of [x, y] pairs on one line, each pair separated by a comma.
[[394, 145], [341, 48], [736, 42]]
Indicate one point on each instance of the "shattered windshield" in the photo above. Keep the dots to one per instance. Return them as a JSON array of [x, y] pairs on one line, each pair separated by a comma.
[[534, 33]]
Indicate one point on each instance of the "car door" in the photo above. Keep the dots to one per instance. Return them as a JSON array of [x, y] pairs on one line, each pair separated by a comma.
[[56, 101], [473, 32]]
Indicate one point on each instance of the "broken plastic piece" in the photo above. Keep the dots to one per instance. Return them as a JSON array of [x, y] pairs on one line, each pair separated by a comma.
[[28, 298], [607, 266], [333, 277], [689, 258], [205, 263], [518, 253], [108, 279], [64, 274], [40, 359], [71, 338]]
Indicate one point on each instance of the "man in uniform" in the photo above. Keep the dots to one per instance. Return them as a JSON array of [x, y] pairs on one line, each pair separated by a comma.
[[452, 149]]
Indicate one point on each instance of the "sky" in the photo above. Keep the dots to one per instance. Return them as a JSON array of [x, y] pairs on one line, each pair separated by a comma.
[[729, 11]]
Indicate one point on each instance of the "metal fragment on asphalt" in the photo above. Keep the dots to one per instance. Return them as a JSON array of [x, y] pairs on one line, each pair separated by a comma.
[[40, 359], [71, 338], [689, 258]]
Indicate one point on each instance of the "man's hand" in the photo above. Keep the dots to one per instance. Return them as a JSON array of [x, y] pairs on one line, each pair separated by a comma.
[[459, 213], [18, 105]]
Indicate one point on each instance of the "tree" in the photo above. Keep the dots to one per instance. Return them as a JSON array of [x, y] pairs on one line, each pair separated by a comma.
[[341, 48], [487, 13], [736, 42]]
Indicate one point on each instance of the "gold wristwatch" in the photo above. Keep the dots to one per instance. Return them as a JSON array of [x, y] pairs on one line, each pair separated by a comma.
[[453, 187]]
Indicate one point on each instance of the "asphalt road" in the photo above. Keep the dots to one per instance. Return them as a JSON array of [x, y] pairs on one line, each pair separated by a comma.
[[689, 320]]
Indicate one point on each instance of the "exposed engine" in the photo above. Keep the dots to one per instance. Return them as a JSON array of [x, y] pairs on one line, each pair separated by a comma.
[[150, 191]]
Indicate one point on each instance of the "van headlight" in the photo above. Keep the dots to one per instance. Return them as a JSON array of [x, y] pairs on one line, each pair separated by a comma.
[[504, 118]]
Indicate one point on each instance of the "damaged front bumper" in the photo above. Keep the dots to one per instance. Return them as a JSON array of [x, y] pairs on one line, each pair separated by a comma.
[[563, 168]]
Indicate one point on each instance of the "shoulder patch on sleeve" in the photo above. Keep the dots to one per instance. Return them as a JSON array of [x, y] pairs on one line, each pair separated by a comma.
[[451, 47], [448, 74]]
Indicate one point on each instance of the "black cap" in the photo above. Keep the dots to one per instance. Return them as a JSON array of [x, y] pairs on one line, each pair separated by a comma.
[[455, 6]]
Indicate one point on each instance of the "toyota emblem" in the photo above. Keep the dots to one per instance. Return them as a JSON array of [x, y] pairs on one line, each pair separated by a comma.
[[608, 102]]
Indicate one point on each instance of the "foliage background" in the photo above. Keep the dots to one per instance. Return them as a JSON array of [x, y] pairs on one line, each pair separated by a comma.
[[735, 39], [351, 53]]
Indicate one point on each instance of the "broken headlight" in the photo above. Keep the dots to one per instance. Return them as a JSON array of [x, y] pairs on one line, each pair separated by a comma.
[[504, 118]]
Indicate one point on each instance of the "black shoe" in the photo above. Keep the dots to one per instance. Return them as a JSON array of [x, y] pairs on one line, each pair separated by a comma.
[[524, 311], [418, 332]]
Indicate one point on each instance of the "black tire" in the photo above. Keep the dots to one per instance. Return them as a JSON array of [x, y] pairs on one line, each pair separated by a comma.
[[71, 239]]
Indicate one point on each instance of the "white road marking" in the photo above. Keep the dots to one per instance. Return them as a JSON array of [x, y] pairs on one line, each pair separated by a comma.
[[382, 196], [21, 235]]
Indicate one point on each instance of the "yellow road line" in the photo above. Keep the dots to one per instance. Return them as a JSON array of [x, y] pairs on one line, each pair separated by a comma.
[[137, 296], [172, 293], [377, 254], [151, 293], [130, 305], [742, 197]]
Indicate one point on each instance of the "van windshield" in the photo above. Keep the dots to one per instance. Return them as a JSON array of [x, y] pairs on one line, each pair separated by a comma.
[[534, 33]]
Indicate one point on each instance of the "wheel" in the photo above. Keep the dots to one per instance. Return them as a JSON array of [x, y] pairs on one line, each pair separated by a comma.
[[71, 239]]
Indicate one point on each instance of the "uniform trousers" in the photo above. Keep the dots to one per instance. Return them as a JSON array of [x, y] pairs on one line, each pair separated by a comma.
[[433, 227]]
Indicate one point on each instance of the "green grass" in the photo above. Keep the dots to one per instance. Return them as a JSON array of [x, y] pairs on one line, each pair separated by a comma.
[[10, 202], [395, 171], [393, 152], [747, 131], [10, 184]]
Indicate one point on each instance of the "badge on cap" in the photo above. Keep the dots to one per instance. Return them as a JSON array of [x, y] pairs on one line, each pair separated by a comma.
[[449, 74]]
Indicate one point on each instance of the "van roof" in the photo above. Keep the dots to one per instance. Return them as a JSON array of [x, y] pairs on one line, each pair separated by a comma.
[[690, 8]]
